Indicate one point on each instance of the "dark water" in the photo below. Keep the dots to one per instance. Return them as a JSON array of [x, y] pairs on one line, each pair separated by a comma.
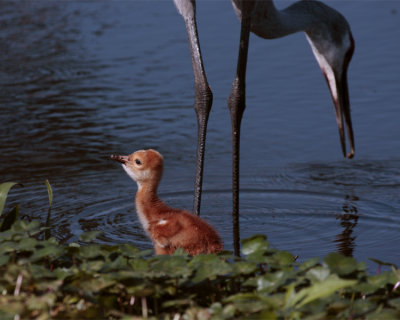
[[82, 80]]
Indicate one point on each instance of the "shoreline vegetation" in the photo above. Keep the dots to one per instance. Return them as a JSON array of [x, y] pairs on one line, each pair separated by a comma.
[[43, 279]]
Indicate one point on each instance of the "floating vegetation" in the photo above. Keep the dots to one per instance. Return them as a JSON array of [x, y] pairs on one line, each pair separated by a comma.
[[43, 279]]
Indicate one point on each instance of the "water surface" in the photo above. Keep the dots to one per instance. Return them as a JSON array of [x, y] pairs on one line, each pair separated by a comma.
[[82, 80]]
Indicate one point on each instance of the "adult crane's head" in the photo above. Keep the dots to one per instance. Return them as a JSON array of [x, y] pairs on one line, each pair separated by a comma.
[[329, 35], [334, 62], [333, 46]]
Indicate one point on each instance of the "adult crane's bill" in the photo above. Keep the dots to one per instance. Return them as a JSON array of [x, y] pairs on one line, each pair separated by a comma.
[[337, 83]]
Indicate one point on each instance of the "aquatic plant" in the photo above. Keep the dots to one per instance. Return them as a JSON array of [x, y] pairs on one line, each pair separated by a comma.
[[43, 279]]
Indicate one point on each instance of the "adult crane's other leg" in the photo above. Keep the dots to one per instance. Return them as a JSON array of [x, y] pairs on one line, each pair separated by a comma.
[[203, 95], [237, 104]]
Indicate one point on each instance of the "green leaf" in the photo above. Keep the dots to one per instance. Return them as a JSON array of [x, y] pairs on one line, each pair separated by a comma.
[[48, 252], [9, 219], [12, 307], [382, 263], [244, 267], [28, 244], [281, 259], [4, 259], [89, 236], [254, 244], [395, 303], [363, 306], [9, 246], [120, 263], [95, 284], [176, 303], [318, 274], [173, 266], [50, 192], [219, 312], [91, 251], [251, 302], [128, 250], [94, 266], [40, 272], [308, 264], [47, 233], [62, 273], [386, 314], [365, 288], [88, 281], [271, 281], [32, 227], [340, 264], [319, 290], [139, 265], [4, 189], [43, 302], [380, 281], [208, 266]]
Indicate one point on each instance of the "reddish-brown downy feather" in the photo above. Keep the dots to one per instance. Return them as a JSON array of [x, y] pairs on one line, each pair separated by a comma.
[[169, 228]]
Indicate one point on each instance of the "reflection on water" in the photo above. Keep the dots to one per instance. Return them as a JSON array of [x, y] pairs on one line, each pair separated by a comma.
[[348, 221], [82, 80]]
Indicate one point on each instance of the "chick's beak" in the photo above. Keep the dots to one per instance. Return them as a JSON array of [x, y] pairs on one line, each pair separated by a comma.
[[119, 158]]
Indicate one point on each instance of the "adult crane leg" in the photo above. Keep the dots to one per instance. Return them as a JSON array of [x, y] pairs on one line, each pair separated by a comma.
[[237, 104], [203, 95]]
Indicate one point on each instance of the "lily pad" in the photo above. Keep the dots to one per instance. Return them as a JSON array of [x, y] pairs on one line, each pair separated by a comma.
[[251, 302], [49, 252], [255, 244], [173, 266], [310, 263], [340, 264], [319, 290], [89, 235], [318, 274], [208, 267]]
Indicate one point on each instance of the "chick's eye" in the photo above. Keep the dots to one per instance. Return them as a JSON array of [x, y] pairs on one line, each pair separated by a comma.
[[138, 162]]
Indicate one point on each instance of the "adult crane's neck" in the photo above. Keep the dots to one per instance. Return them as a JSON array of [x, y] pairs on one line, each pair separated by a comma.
[[269, 23]]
